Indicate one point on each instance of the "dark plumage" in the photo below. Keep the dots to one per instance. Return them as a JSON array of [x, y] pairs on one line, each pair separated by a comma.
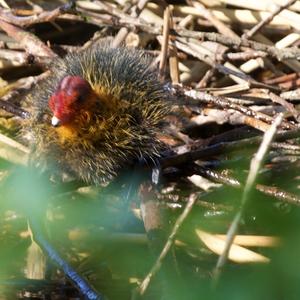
[[108, 106]]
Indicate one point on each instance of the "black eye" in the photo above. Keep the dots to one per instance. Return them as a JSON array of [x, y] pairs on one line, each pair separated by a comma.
[[80, 98]]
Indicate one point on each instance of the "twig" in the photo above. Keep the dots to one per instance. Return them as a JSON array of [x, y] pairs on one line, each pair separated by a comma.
[[45, 16], [12, 143], [250, 54], [31, 43], [187, 46], [255, 165], [234, 117], [236, 43], [207, 14], [173, 60], [23, 58], [206, 78], [283, 78], [222, 148], [267, 20], [280, 54], [12, 151], [215, 176], [165, 44], [288, 106], [290, 84], [11, 108], [145, 283], [4, 4], [81, 284], [224, 103], [279, 194], [123, 32]]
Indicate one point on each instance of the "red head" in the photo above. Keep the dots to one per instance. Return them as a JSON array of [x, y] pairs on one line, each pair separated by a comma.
[[69, 97]]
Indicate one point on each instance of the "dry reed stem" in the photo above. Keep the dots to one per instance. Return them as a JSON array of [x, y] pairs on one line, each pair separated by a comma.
[[255, 166], [156, 266], [264, 22], [165, 44]]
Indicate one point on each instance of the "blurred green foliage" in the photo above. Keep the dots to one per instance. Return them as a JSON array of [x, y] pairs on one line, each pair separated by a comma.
[[94, 229]]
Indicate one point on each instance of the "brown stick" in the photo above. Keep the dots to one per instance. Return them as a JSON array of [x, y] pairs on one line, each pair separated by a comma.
[[165, 44], [123, 32], [216, 149], [173, 60], [45, 16], [267, 20], [31, 43], [220, 26]]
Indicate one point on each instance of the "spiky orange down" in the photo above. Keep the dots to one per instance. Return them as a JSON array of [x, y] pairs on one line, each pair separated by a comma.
[[111, 106]]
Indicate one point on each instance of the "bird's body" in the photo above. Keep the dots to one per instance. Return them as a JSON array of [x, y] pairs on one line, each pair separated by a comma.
[[105, 106]]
